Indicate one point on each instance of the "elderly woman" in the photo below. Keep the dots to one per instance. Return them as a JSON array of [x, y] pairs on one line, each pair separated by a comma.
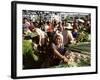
[[58, 49]]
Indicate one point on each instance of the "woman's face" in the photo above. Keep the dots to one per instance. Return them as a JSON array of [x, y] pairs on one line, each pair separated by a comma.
[[58, 40]]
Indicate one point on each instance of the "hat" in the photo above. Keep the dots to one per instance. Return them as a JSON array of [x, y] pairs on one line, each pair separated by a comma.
[[68, 26], [81, 20]]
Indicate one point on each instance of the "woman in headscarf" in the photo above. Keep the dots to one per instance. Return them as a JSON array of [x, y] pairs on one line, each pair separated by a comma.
[[58, 49]]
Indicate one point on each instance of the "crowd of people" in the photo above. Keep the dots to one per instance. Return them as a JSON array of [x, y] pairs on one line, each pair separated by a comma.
[[51, 36]]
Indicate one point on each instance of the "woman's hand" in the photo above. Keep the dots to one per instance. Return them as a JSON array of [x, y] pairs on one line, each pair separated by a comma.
[[65, 59]]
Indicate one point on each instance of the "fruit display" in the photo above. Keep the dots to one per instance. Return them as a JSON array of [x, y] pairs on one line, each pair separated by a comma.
[[75, 59]]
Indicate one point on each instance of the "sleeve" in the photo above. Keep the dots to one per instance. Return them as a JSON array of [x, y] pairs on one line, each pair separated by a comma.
[[53, 46]]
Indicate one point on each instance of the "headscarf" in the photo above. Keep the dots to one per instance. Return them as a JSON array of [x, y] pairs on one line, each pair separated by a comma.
[[61, 36]]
